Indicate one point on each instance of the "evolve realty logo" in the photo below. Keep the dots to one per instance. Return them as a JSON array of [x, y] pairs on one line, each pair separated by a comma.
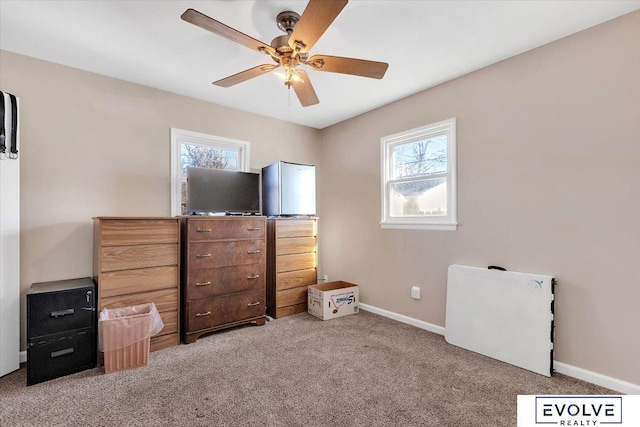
[[578, 410]]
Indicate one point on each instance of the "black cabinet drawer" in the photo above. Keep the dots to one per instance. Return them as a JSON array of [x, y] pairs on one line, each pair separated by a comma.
[[61, 328], [51, 312], [60, 354]]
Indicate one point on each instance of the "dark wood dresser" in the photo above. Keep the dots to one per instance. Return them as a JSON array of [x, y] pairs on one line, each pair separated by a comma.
[[223, 273]]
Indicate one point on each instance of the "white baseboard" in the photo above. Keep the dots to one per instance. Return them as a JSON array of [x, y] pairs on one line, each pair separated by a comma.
[[23, 357], [404, 319], [559, 367], [596, 378]]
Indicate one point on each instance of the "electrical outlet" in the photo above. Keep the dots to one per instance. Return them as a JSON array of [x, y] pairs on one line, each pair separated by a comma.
[[325, 278], [415, 292]]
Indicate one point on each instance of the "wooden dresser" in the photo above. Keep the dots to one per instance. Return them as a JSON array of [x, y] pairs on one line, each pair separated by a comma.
[[223, 274], [136, 261], [292, 264]]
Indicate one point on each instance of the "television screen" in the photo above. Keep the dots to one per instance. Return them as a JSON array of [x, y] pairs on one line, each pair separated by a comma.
[[216, 191]]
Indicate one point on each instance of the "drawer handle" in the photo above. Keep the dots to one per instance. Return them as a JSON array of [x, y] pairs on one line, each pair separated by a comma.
[[203, 314], [61, 352], [203, 256], [203, 284], [254, 229], [61, 313], [254, 251], [203, 230], [255, 276], [253, 304]]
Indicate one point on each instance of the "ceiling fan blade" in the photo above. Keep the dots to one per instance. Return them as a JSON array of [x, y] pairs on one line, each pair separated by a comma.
[[245, 75], [304, 90], [314, 21], [203, 21], [356, 67]]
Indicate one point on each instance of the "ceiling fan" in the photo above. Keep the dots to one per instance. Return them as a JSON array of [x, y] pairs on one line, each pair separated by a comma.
[[292, 49]]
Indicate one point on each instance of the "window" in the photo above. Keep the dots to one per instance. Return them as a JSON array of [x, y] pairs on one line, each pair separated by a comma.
[[419, 178], [204, 151]]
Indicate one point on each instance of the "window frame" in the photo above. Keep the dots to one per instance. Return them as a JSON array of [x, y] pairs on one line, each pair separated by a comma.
[[446, 222], [180, 136]]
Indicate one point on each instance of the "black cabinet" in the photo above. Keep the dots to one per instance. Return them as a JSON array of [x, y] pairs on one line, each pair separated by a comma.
[[61, 328]]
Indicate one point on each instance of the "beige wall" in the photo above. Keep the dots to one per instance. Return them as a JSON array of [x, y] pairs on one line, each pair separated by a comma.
[[93, 145], [548, 183]]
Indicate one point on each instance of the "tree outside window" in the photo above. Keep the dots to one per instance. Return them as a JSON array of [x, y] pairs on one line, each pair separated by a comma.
[[417, 161], [193, 149], [418, 178], [203, 156]]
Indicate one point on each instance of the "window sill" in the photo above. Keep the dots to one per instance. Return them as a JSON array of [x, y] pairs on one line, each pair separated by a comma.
[[420, 226]]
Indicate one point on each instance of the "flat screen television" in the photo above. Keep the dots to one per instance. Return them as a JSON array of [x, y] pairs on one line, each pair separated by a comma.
[[222, 191]]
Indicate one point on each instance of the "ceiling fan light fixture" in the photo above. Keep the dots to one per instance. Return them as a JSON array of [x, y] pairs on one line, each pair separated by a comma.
[[296, 77], [289, 74]]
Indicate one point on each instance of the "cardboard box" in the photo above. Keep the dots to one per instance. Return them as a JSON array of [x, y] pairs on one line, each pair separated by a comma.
[[333, 299]]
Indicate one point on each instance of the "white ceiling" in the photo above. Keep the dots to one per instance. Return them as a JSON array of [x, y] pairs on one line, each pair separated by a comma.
[[424, 42]]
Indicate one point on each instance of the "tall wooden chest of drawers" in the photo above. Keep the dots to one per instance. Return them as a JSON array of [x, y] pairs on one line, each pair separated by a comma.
[[292, 264], [223, 273], [137, 261]]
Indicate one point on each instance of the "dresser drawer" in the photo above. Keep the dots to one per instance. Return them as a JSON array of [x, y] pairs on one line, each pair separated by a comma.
[[115, 258], [60, 354], [291, 296], [226, 228], [226, 253], [293, 279], [290, 310], [215, 311], [137, 231], [295, 245], [225, 280], [116, 283], [55, 312], [165, 300], [160, 342], [295, 262], [170, 322], [296, 228]]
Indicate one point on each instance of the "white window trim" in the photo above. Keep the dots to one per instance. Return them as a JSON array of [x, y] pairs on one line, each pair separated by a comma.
[[179, 136], [448, 222]]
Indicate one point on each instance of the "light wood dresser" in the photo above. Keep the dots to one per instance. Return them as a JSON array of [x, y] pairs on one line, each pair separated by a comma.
[[223, 274], [292, 264], [136, 260]]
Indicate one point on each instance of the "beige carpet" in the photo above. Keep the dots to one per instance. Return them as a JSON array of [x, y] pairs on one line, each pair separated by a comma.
[[362, 370]]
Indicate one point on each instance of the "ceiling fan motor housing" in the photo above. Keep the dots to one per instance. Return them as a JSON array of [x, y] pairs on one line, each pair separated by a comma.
[[286, 22], [281, 44]]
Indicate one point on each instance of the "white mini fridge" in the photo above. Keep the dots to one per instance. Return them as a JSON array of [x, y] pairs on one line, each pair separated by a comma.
[[288, 189]]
